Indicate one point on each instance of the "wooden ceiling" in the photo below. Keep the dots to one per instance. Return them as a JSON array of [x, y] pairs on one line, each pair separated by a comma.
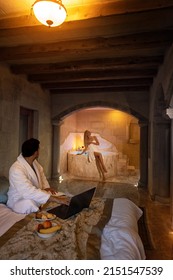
[[104, 46]]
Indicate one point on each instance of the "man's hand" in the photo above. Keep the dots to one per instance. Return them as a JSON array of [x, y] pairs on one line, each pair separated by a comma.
[[60, 199], [52, 191]]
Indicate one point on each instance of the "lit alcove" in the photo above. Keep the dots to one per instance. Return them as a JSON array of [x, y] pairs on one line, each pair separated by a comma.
[[118, 134]]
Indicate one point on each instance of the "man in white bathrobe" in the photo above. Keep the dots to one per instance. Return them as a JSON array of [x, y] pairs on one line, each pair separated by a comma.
[[29, 187]]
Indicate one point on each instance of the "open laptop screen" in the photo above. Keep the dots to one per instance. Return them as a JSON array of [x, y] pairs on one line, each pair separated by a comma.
[[77, 203]]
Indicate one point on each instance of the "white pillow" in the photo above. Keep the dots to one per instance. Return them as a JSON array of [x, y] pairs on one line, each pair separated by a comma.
[[125, 214], [120, 239]]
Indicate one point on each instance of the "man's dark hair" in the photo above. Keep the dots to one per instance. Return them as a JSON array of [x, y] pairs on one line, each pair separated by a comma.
[[29, 147]]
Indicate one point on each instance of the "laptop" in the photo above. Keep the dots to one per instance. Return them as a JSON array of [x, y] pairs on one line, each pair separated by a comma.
[[77, 203]]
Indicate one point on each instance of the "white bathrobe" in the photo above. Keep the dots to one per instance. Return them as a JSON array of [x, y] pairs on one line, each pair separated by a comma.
[[26, 192]]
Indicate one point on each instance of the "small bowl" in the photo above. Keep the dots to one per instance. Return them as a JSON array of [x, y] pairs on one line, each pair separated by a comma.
[[47, 235]]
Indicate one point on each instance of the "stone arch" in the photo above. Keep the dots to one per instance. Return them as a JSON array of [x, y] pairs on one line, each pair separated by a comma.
[[58, 118], [143, 123]]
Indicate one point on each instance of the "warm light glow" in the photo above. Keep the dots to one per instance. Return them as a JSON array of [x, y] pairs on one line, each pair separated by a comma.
[[77, 143], [50, 12], [60, 179]]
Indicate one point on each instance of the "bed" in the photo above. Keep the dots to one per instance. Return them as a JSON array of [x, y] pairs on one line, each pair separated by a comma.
[[107, 230]]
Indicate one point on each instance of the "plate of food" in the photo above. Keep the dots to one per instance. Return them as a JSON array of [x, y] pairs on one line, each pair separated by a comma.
[[47, 229], [44, 216]]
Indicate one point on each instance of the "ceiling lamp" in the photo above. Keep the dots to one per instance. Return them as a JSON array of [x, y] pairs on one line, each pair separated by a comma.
[[50, 12]]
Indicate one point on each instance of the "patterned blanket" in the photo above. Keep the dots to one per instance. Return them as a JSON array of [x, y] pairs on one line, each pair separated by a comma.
[[73, 242]]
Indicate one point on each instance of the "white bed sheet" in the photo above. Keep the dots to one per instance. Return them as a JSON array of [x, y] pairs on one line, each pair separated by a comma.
[[121, 244], [120, 239], [8, 218]]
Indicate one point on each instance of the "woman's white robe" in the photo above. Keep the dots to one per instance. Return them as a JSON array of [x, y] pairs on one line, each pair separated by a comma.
[[26, 192]]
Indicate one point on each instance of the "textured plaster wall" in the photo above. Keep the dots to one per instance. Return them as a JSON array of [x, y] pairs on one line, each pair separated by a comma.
[[16, 91]]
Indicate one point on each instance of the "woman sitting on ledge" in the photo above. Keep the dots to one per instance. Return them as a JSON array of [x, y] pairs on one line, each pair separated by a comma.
[[91, 144]]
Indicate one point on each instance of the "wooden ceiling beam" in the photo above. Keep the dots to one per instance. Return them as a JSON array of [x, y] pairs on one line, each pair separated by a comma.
[[101, 90], [143, 40], [118, 50], [25, 54], [101, 63], [92, 75], [103, 26], [102, 83], [102, 8], [67, 57]]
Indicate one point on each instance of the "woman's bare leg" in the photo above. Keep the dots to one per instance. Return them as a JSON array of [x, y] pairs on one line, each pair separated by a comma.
[[101, 169], [100, 166], [99, 155]]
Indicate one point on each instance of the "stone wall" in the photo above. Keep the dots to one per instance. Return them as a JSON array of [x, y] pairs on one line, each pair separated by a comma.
[[159, 154], [16, 91]]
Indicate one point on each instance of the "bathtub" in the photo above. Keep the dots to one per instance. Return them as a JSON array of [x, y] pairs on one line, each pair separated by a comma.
[[79, 166]]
